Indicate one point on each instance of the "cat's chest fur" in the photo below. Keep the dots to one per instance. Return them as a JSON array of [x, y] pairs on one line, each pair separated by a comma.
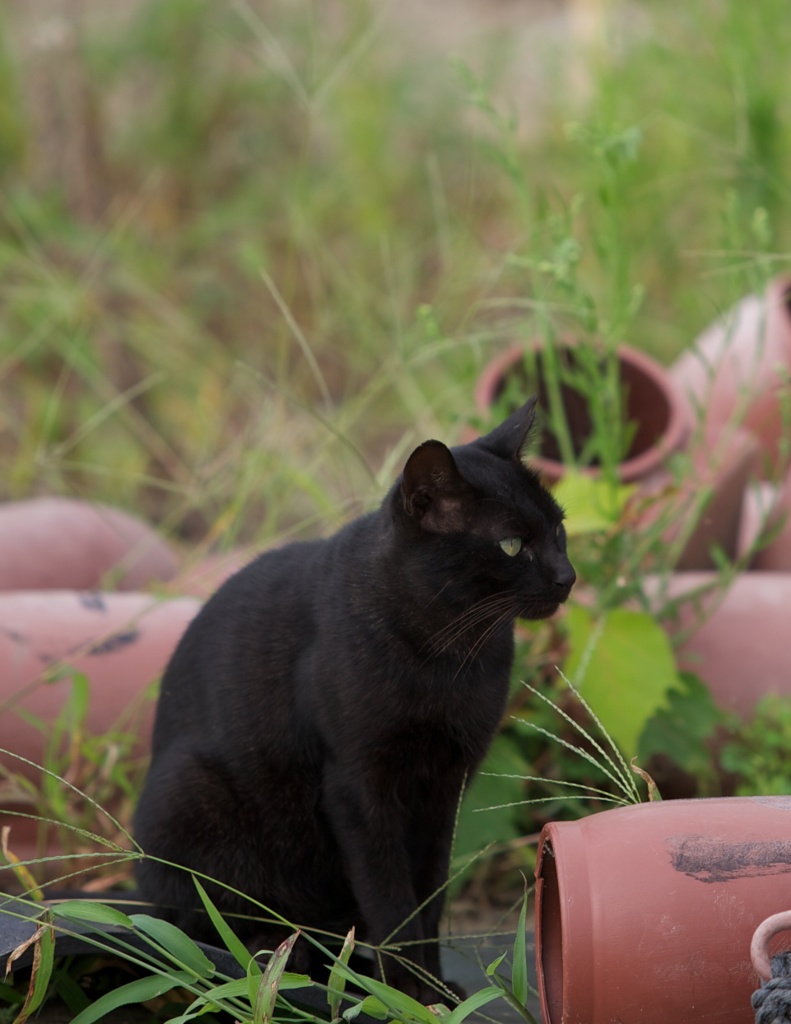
[[321, 714]]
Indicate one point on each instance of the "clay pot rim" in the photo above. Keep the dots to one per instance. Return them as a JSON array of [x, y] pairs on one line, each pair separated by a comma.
[[638, 466]]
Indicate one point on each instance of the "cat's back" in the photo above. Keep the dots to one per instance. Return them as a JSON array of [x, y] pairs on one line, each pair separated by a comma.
[[242, 647]]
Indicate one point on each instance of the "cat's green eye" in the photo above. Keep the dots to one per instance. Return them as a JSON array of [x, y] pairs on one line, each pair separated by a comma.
[[511, 545]]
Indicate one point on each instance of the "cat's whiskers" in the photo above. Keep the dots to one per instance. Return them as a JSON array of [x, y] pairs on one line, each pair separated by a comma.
[[506, 617], [498, 608]]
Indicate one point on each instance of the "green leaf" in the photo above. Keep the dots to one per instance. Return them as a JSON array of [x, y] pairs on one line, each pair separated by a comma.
[[622, 663], [336, 984], [236, 989], [592, 504], [137, 991], [371, 1006], [174, 943], [491, 970], [90, 912], [41, 972], [233, 943], [482, 820], [396, 1003], [473, 1003], [519, 983], [263, 995]]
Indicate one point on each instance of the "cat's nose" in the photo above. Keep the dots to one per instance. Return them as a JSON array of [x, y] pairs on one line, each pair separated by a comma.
[[565, 578]]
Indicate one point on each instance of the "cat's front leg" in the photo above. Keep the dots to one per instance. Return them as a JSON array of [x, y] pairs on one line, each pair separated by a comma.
[[430, 837], [371, 832]]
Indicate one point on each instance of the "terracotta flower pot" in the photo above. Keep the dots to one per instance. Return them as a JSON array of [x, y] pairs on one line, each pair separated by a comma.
[[737, 368], [645, 914], [48, 543], [653, 404], [723, 464], [740, 650], [121, 642]]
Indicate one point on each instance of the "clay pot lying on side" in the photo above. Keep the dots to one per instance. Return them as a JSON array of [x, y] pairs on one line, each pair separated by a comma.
[[645, 914], [49, 543], [120, 642]]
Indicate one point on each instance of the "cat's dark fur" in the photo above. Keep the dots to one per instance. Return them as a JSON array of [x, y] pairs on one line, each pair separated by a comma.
[[319, 718]]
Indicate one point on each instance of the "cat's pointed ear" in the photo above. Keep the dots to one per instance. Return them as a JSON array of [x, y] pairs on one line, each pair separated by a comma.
[[508, 440], [432, 488]]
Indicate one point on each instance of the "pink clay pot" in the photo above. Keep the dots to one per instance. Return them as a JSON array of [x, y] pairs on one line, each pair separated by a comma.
[[723, 463], [653, 404], [740, 650], [645, 914], [121, 642], [736, 370], [48, 543]]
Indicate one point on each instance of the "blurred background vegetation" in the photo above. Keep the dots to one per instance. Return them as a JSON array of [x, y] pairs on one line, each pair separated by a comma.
[[252, 251]]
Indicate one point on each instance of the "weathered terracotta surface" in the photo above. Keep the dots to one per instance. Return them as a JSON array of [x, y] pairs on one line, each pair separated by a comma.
[[645, 914], [741, 648], [121, 642], [737, 369], [55, 542]]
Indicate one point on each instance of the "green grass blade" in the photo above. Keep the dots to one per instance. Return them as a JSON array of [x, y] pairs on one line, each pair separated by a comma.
[[41, 973], [137, 991], [172, 941], [336, 984], [263, 995], [233, 943], [472, 1004], [88, 912], [519, 983]]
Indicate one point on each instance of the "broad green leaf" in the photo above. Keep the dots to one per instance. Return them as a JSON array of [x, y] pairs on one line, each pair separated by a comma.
[[233, 943], [591, 503], [174, 943], [622, 663], [91, 912], [483, 819], [137, 991]]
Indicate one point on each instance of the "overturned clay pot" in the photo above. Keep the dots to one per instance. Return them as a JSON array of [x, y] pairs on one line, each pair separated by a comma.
[[645, 914], [51, 543]]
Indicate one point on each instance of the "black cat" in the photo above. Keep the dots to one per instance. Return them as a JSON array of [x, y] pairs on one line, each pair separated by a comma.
[[321, 714]]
